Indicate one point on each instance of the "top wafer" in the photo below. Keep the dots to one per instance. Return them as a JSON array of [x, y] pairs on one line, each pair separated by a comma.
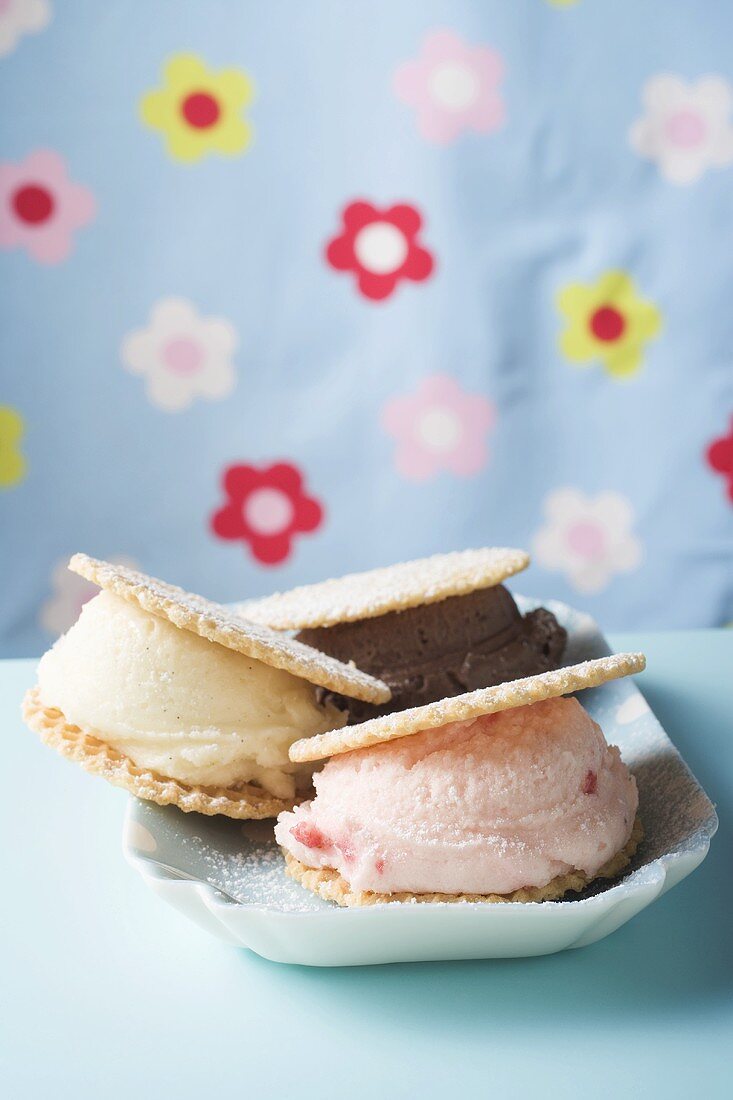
[[218, 624], [393, 588], [461, 708]]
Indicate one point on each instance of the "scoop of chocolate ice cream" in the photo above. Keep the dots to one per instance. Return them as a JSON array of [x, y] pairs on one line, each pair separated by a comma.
[[441, 649]]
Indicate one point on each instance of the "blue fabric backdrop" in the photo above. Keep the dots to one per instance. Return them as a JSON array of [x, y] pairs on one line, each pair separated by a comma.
[[289, 290]]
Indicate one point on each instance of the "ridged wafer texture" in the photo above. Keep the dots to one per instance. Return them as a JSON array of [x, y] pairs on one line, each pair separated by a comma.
[[331, 886], [97, 757], [461, 708], [393, 588], [218, 624]]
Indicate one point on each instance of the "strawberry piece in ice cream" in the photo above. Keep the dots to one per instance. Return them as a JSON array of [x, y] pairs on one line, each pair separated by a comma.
[[309, 835], [590, 783]]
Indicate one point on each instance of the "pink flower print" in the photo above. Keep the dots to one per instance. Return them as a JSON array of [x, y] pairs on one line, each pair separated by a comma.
[[439, 427], [453, 87], [21, 17], [40, 207], [70, 593]]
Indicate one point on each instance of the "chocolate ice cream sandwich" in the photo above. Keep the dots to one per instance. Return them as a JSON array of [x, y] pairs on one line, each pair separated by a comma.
[[430, 629]]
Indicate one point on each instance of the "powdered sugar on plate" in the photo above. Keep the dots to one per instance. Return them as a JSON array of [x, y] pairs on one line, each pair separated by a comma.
[[241, 861]]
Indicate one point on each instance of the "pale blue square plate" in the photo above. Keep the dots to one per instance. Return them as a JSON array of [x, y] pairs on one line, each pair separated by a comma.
[[229, 876]]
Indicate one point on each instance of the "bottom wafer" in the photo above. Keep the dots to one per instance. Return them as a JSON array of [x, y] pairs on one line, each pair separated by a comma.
[[331, 886], [99, 758]]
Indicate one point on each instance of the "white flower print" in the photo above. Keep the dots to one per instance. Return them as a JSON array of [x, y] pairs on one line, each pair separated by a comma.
[[182, 355], [686, 128], [589, 539]]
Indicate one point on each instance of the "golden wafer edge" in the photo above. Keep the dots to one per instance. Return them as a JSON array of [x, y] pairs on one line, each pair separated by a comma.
[[98, 758], [194, 613], [473, 704], [331, 886], [376, 592]]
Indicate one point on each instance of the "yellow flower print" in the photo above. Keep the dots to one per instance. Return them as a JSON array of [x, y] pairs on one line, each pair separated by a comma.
[[12, 462], [607, 321], [200, 111]]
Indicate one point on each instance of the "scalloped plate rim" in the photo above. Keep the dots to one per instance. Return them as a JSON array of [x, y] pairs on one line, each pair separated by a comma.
[[236, 922]]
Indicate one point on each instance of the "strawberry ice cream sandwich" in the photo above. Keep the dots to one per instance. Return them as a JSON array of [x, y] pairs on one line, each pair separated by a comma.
[[506, 794], [431, 628]]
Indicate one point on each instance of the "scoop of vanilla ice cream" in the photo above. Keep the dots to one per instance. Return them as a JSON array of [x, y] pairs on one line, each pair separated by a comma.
[[178, 704], [486, 806]]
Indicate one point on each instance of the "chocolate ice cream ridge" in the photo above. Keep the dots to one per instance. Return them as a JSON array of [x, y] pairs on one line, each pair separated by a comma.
[[430, 628], [506, 794]]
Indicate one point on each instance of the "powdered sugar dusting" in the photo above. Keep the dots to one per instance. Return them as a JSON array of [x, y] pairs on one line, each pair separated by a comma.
[[247, 867], [251, 877], [394, 588], [219, 624], [473, 704], [227, 855]]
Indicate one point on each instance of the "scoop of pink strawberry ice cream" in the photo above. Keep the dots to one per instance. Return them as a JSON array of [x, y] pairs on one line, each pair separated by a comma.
[[485, 806]]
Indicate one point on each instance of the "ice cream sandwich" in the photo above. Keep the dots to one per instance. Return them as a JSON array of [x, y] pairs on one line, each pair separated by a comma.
[[179, 701], [505, 794], [432, 628]]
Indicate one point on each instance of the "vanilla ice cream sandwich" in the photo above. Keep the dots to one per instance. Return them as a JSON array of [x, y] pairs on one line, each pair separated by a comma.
[[177, 700]]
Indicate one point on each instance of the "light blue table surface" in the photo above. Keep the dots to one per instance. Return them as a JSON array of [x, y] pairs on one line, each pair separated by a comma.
[[106, 992]]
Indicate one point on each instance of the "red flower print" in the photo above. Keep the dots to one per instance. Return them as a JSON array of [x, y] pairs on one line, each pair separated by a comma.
[[380, 247], [720, 457], [266, 507]]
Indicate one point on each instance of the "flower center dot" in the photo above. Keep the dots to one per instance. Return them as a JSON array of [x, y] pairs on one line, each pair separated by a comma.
[[588, 540], [607, 324], [268, 511], [200, 110], [182, 356], [454, 87], [685, 128], [381, 248], [33, 203], [440, 430]]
